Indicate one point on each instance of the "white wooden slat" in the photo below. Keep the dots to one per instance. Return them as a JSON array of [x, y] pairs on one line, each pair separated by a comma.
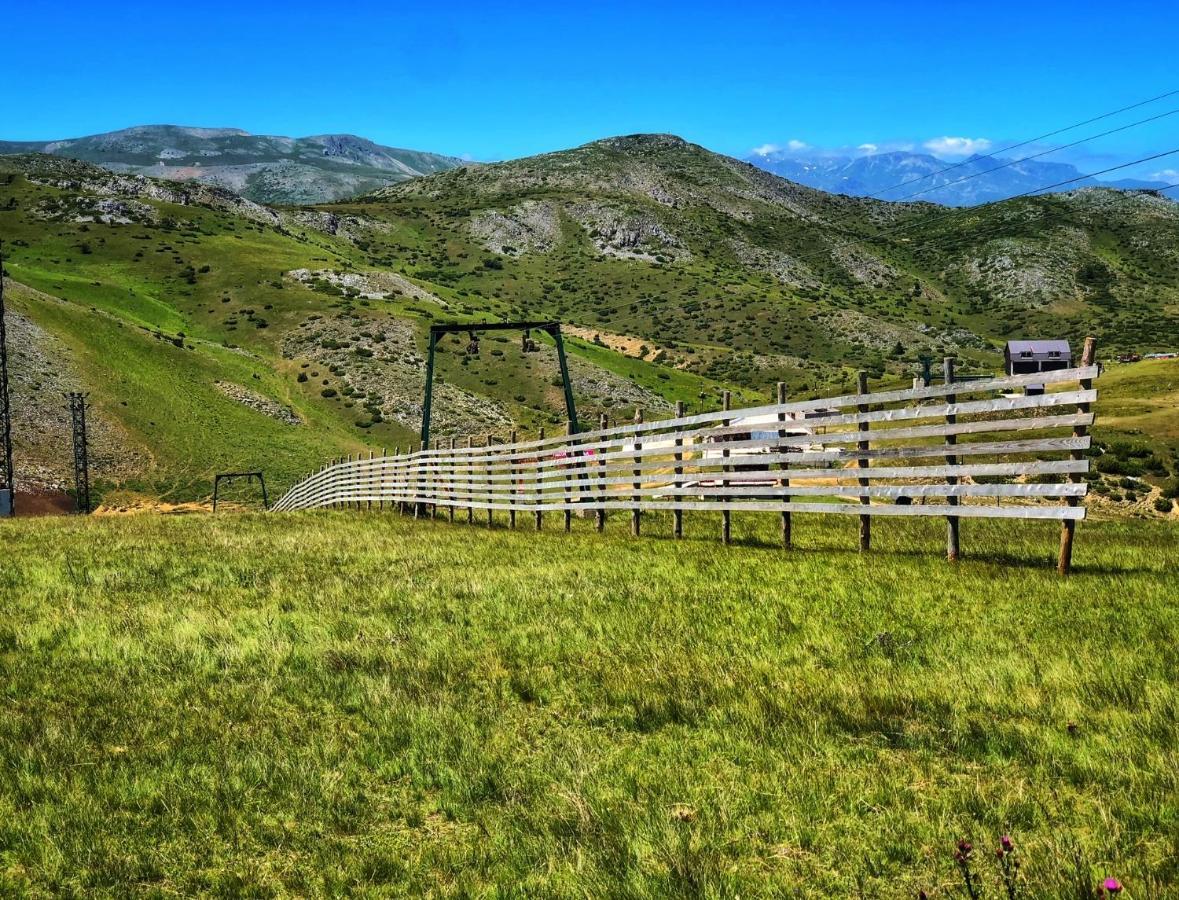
[[552, 466], [501, 455], [1050, 467], [848, 400], [717, 489], [442, 467], [622, 483], [756, 466], [973, 511]]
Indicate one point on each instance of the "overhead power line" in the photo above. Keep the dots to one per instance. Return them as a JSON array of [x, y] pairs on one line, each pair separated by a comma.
[[1022, 159], [838, 220], [1033, 140], [926, 220]]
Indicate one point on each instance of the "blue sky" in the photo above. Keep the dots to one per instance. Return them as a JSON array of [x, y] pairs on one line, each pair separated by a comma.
[[492, 81]]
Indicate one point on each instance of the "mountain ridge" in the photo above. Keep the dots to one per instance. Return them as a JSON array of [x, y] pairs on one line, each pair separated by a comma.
[[897, 175], [266, 168]]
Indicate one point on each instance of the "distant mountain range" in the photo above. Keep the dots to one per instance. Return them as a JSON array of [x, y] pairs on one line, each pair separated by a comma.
[[966, 184], [268, 169], [327, 167]]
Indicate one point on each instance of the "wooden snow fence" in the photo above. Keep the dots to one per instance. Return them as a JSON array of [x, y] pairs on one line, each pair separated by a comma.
[[960, 450]]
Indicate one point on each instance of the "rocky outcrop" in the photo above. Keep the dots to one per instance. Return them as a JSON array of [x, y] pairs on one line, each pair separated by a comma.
[[367, 285], [258, 403]]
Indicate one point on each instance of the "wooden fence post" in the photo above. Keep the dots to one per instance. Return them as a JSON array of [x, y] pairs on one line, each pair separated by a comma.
[[1068, 527], [470, 482], [677, 515], [512, 478], [397, 504], [780, 397], [636, 514], [726, 516], [434, 485], [487, 462], [569, 432], [952, 545], [600, 517], [538, 489], [453, 473], [381, 479], [419, 506], [371, 478], [862, 462]]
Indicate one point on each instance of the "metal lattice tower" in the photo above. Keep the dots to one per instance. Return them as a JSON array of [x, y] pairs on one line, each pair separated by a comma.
[[7, 487], [81, 463]]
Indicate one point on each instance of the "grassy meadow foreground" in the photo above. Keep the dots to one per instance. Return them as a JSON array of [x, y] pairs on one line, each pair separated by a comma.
[[322, 703]]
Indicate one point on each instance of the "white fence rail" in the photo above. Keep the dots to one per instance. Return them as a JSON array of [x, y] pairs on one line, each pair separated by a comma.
[[961, 450]]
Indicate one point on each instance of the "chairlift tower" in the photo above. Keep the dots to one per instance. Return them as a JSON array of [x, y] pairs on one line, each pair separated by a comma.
[[81, 462], [553, 329]]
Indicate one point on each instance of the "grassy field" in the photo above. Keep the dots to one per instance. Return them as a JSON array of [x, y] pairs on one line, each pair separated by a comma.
[[322, 703]]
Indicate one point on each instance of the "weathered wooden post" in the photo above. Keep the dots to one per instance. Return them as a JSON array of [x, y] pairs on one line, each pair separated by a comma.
[[568, 467], [381, 479], [1068, 527], [601, 513], [726, 516], [436, 471], [370, 480], [780, 397], [452, 469], [470, 481], [488, 482], [348, 477], [398, 505], [677, 515], [512, 478], [862, 462], [636, 514], [419, 506], [952, 547], [538, 488]]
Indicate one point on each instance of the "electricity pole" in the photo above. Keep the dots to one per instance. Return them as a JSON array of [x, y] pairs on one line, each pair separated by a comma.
[[7, 488]]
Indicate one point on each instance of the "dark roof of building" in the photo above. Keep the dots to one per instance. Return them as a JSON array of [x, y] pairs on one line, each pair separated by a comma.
[[1016, 347]]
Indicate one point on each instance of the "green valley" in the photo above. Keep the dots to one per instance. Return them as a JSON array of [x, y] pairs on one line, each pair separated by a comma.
[[216, 333]]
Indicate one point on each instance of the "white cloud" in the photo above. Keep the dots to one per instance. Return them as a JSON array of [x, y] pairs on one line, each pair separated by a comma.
[[956, 146], [1171, 175], [791, 146], [868, 148]]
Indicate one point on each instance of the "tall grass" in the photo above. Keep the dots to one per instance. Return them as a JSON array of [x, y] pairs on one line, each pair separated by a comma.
[[327, 702]]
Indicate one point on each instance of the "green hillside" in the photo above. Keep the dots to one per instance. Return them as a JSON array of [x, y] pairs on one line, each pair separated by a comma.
[[734, 258], [175, 307], [216, 333]]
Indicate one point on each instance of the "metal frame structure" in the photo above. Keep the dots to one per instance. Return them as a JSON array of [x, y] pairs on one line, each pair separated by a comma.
[[81, 456], [553, 329], [7, 485], [230, 476]]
